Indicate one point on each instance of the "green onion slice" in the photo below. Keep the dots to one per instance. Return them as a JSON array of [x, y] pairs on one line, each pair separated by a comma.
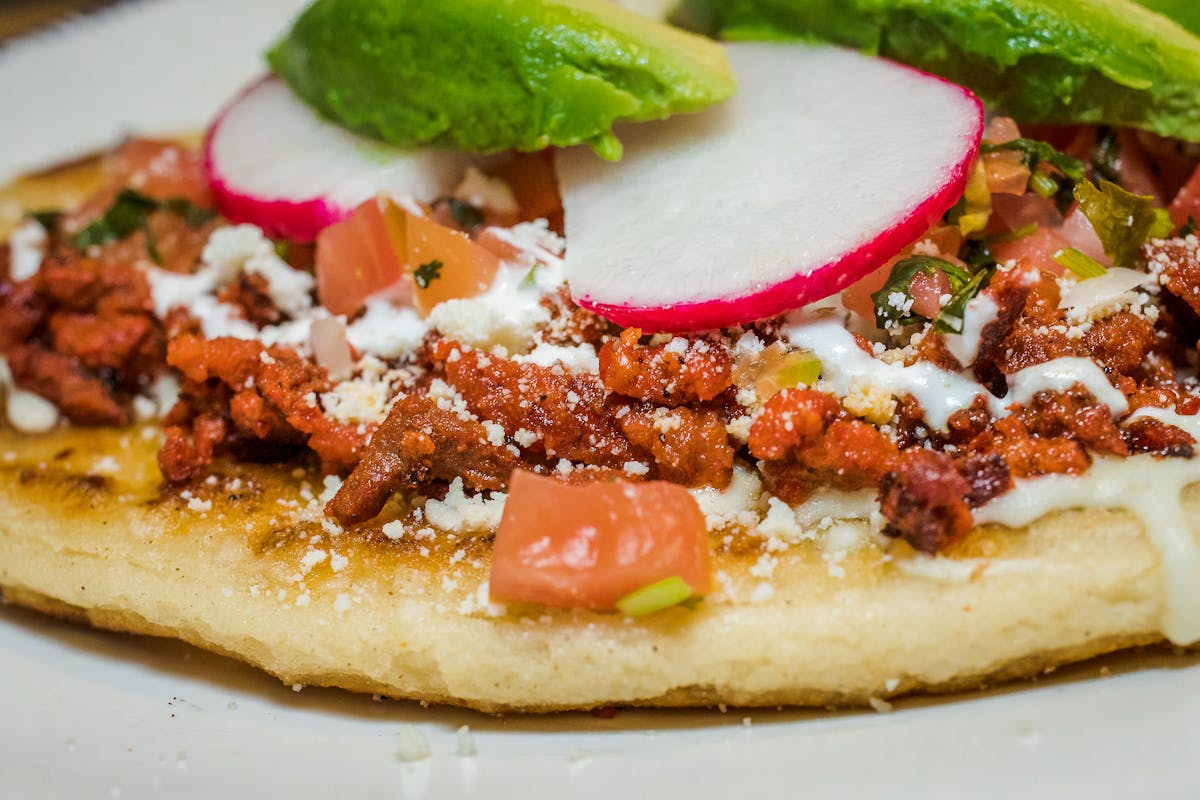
[[800, 368], [1081, 265], [655, 597]]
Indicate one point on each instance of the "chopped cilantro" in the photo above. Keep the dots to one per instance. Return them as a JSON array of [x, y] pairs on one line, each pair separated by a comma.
[[465, 215], [127, 214], [130, 212], [1124, 221], [1187, 228], [1034, 154], [963, 285], [428, 273], [193, 216]]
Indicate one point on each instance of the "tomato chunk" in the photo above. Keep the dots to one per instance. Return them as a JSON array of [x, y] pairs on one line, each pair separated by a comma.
[[1036, 249], [380, 244], [1187, 202], [467, 269], [361, 255], [589, 546]]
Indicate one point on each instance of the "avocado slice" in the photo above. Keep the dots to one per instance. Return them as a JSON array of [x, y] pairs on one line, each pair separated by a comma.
[[1185, 12], [1065, 61], [488, 75]]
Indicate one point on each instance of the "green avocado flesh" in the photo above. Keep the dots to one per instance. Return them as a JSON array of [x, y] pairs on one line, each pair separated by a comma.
[[1185, 12], [1064, 61], [488, 75]]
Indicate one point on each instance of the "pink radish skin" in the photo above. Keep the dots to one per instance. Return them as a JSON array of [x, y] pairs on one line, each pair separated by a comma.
[[272, 162], [683, 149], [797, 291]]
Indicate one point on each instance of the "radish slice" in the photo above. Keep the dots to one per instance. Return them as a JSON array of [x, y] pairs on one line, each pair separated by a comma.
[[825, 164], [274, 163]]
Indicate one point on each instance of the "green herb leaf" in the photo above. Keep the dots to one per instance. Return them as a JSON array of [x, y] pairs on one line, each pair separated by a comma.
[[428, 273], [1187, 228], [655, 597], [465, 215], [126, 215], [1035, 153], [1124, 221], [193, 216], [130, 212], [48, 219], [1080, 264], [950, 318], [892, 306]]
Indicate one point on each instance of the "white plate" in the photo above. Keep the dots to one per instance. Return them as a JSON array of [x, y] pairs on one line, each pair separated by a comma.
[[88, 714]]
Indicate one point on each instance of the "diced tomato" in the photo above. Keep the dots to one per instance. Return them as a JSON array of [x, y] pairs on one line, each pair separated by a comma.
[[590, 545], [1037, 250], [497, 245], [534, 184], [1000, 130], [361, 255], [927, 292], [467, 269], [381, 245], [1187, 202], [944, 240], [1078, 232], [1134, 168], [1012, 213]]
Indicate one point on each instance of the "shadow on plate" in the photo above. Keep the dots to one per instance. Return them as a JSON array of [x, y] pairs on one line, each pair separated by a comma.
[[174, 659]]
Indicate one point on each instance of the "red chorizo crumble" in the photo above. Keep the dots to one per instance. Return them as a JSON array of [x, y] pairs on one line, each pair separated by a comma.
[[83, 333]]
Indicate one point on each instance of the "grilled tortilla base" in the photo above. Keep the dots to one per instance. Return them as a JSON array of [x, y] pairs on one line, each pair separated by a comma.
[[89, 532]]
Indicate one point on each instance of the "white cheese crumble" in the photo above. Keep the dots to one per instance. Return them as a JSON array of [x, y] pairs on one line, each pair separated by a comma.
[[466, 742], [459, 513], [27, 412], [27, 249], [385, 330], [734, 507], [580, 358], [246, 248], [413, 744]]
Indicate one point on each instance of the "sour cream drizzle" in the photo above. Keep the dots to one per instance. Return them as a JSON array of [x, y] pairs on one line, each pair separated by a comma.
[[844, 363], [1145, 486], [940, 392]]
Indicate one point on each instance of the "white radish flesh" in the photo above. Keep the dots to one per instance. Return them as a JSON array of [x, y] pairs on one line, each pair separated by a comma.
[[274, 163], [825, 164]]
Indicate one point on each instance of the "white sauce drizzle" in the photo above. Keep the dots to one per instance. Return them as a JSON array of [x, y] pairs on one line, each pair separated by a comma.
[[843, 363], [1189, 424], [1061, 374], [1145, 486], [979, 313]]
